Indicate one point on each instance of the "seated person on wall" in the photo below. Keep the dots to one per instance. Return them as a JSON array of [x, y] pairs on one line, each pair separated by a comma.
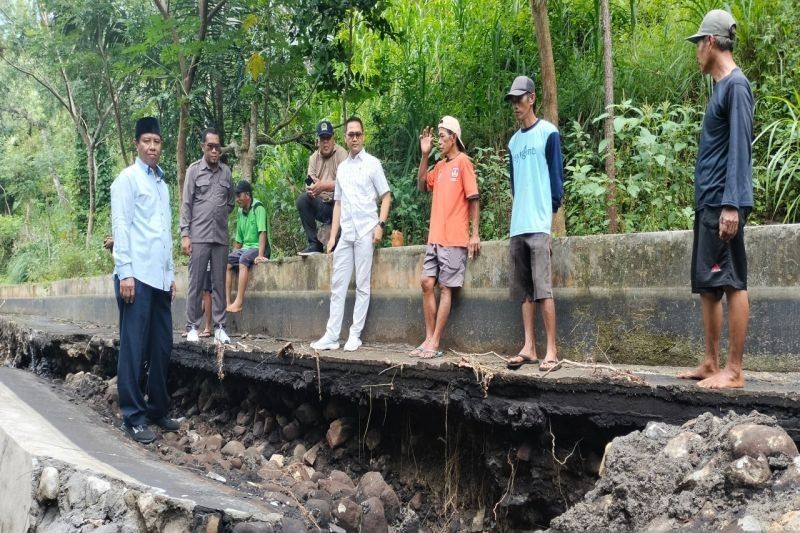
[[316, 203], [251, 246]]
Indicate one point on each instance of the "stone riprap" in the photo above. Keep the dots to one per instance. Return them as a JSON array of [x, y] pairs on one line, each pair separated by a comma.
[[621, 297]]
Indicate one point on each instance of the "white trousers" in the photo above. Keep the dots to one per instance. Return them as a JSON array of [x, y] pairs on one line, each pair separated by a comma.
[[347, 256]]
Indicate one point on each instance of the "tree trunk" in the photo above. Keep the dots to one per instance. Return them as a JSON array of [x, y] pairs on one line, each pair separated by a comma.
[[608, 86], [219, 92], [541, 23], [180, 148], [249, 143], [91, 164]]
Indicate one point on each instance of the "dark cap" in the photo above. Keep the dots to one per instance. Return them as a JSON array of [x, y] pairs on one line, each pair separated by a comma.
[[522, 85], [244, 186], [147, 125], [716, 22], [324, 129]]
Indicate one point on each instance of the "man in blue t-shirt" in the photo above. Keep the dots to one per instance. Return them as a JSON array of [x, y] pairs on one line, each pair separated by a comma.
[[723, 185], [536, 169]]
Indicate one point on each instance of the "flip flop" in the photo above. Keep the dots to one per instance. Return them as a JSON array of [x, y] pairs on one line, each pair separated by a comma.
[[525, 361], [431, 354], [184, 333], [549, 366], [204, 333], [418, 351]]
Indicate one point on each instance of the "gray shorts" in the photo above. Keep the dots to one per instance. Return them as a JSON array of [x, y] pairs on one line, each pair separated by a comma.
[[242, 257], [530, 260], [447, 264]]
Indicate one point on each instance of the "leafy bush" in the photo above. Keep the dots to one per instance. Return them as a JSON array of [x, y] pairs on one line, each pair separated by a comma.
[[656, 148]]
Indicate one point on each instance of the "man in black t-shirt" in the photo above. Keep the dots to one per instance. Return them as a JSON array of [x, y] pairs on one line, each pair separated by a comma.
[[723, 199]]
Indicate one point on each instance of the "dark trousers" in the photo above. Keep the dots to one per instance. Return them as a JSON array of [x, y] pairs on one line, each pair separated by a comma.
[[145, 338], [311, 210], [202, 253]]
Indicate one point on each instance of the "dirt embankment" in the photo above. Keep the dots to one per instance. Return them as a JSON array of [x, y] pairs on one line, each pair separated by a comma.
[[735, 473]]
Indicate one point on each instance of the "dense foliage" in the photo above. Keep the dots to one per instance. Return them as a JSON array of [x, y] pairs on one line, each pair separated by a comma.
[[76, 74]]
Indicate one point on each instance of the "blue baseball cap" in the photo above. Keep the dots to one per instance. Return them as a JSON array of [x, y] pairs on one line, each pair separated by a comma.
[[324, 129]]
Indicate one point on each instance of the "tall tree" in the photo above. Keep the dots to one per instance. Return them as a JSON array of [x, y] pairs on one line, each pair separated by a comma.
[[54, 52], [188, 51], [608, 123], [541, 23]]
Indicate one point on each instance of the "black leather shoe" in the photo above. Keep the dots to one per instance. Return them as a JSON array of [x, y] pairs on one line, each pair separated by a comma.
[[167, 424], [140, 433]]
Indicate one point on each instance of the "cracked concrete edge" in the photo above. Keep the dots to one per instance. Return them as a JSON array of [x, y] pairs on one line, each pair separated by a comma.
[[29, 444]]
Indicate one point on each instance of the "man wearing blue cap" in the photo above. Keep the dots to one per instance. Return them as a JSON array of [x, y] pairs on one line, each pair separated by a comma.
[[723, 186], [316, 203], [144, 274]]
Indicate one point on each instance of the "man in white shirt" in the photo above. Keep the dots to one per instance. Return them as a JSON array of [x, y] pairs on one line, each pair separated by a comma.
[[360, 181]]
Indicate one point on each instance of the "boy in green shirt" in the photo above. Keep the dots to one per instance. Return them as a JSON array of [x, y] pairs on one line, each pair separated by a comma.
[[251, 246]]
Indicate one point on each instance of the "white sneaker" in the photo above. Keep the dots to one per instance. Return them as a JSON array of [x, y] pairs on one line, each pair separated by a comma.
[[192, 336], [352, 344], [325, 344], [221, 336]]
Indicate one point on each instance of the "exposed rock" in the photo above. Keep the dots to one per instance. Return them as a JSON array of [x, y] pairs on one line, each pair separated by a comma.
[[681, 445], [85, 384], [95, 488], [49, 484], [337, 489], [748, 472], [243, 418], [239, 430], [372, 485], [292, 525], [258, 429], [233, 448], [416, 501], [334, 409], [299, 451], [278, 459], [292, 430], [213, 443], [790, 479], [524, 453], [339, 431], [374, 518], [341, 477], [307, 414], [372, 439], [787, 522], [658, 431], [348, 514], [320, 510], [757, 439], [310, 457], [253, 527]]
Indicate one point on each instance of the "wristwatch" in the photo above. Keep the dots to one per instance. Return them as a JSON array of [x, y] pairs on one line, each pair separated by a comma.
[[382, 224]]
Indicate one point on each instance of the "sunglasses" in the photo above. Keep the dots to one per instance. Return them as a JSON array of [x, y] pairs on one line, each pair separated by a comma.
[[354, 134], [212, 147]]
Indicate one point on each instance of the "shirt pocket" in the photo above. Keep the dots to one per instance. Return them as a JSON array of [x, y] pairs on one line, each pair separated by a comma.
[[222, 190], [203, 189]]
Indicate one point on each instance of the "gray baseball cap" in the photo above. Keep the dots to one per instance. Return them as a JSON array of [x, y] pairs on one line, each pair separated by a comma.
[[716, 22], [521, 85]]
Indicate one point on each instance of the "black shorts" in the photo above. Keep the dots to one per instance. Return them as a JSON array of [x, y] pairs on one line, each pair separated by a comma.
[[716, 264]]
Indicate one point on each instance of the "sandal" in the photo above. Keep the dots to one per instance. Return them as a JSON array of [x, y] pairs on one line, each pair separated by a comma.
[[204, 333], [418, 351], [523, 360], [431, 354], [549, 366]]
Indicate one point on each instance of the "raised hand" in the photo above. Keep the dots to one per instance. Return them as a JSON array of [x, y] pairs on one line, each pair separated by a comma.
[[426, 141]]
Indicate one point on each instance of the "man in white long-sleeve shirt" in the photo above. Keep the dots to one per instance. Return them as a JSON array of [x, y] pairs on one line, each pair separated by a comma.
[[360, 181], [144, 283]]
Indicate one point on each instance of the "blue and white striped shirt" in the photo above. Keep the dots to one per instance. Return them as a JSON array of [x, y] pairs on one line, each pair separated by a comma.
[[141, 222]]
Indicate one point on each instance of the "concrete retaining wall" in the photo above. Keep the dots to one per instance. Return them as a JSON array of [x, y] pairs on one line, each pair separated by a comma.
[[624, 297]]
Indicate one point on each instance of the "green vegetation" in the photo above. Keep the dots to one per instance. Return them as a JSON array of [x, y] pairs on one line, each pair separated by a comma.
[[76, 74]]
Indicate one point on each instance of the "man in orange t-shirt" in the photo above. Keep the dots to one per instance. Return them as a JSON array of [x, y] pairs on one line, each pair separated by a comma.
[[455, 204]]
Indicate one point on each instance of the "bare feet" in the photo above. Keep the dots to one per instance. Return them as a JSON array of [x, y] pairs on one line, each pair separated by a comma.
[[724, 379], [235, 307], [703, 371]]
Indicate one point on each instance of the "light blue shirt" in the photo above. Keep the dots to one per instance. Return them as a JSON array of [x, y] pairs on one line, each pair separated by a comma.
[[141, 222], [536, 171]]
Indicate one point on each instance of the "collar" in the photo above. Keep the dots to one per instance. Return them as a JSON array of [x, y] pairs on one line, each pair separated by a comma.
[[529, 128], [159, 174], [358, 156], [205, 166]]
